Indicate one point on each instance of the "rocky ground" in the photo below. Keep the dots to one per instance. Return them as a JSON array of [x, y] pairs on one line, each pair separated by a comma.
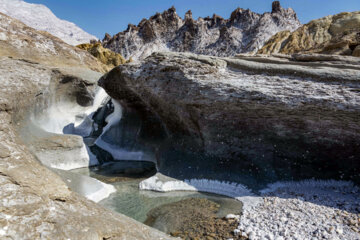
[[305, 210], [192, 218]]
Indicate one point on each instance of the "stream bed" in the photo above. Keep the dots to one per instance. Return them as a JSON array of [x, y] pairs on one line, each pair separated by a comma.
[[170, 212]]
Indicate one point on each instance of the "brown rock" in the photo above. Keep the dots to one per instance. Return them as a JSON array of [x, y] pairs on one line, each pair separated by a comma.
[[334, 34]]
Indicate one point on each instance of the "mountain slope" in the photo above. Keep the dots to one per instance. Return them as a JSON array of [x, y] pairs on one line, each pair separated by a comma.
[[244, 31], [334, 34], [41, 18], [22, 42]]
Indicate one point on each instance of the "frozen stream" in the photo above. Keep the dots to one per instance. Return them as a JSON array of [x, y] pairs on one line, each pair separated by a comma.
[[135, 203]]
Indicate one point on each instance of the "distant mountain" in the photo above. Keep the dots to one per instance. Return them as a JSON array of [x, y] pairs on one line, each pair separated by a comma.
[[41, 18], [244, 31]]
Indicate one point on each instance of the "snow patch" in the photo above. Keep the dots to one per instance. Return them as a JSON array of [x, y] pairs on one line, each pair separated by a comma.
[[41, 18]]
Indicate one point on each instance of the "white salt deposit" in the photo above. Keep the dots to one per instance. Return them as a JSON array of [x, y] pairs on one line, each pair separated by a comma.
[[163, 183], [305, 210], [302, 210]]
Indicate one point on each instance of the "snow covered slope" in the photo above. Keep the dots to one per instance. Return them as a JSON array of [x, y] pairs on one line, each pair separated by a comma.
[[41, 18]]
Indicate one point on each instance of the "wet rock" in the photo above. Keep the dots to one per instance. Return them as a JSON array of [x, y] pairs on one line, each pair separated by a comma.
[[192, 218]]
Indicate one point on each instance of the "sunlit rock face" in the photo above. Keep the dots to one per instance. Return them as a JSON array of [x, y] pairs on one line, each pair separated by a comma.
[[244, 31], [271, 118], [333, 34]]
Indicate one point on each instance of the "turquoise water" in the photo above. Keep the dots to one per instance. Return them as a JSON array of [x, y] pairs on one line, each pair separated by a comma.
[[135, 203]]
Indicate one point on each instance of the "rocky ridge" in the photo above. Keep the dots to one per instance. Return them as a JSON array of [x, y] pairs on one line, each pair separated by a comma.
[[41, 18], [334, 34], [244, 31]]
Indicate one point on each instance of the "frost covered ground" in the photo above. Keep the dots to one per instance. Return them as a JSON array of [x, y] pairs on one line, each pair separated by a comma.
[[285, 210], [304, 210]]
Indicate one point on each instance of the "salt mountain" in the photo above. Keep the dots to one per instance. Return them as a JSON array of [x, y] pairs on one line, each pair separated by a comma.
[[41, 18], [245, 31]]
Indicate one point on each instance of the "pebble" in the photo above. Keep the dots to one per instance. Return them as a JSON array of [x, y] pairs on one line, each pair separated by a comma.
[[285, 214]]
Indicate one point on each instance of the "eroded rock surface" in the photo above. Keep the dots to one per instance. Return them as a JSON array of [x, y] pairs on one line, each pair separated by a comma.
[[34, 202], [244, 31], [334, 34], [272, 117]]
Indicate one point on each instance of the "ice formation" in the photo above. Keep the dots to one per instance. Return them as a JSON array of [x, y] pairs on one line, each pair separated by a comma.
[[117, 152], [88, 187], [61, 116], [162, 183]]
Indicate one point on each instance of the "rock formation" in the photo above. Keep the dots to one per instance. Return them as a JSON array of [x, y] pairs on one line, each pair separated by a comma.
[[41, 18], [35, 203], [274, 118], [104, 55], [244, 31], [335, 34]]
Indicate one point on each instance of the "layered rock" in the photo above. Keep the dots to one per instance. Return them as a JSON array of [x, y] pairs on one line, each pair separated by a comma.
[[334, 34], [244, 31], [35, 203], [41, 18], [272, 118], [104, 55]]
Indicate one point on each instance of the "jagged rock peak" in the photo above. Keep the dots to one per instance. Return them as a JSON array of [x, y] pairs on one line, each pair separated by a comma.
[[244, 31], [276, 7], [107, 37]]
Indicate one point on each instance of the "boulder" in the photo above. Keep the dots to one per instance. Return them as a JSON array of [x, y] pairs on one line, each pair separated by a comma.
[[272, 118]]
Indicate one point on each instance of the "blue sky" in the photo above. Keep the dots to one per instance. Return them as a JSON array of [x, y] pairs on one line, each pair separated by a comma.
[[113, 16]]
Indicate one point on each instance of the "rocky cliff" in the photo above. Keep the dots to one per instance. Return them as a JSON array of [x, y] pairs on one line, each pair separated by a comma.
[[35, 203], [41, 18], [335, 34], [244, 31], [272, 118]]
